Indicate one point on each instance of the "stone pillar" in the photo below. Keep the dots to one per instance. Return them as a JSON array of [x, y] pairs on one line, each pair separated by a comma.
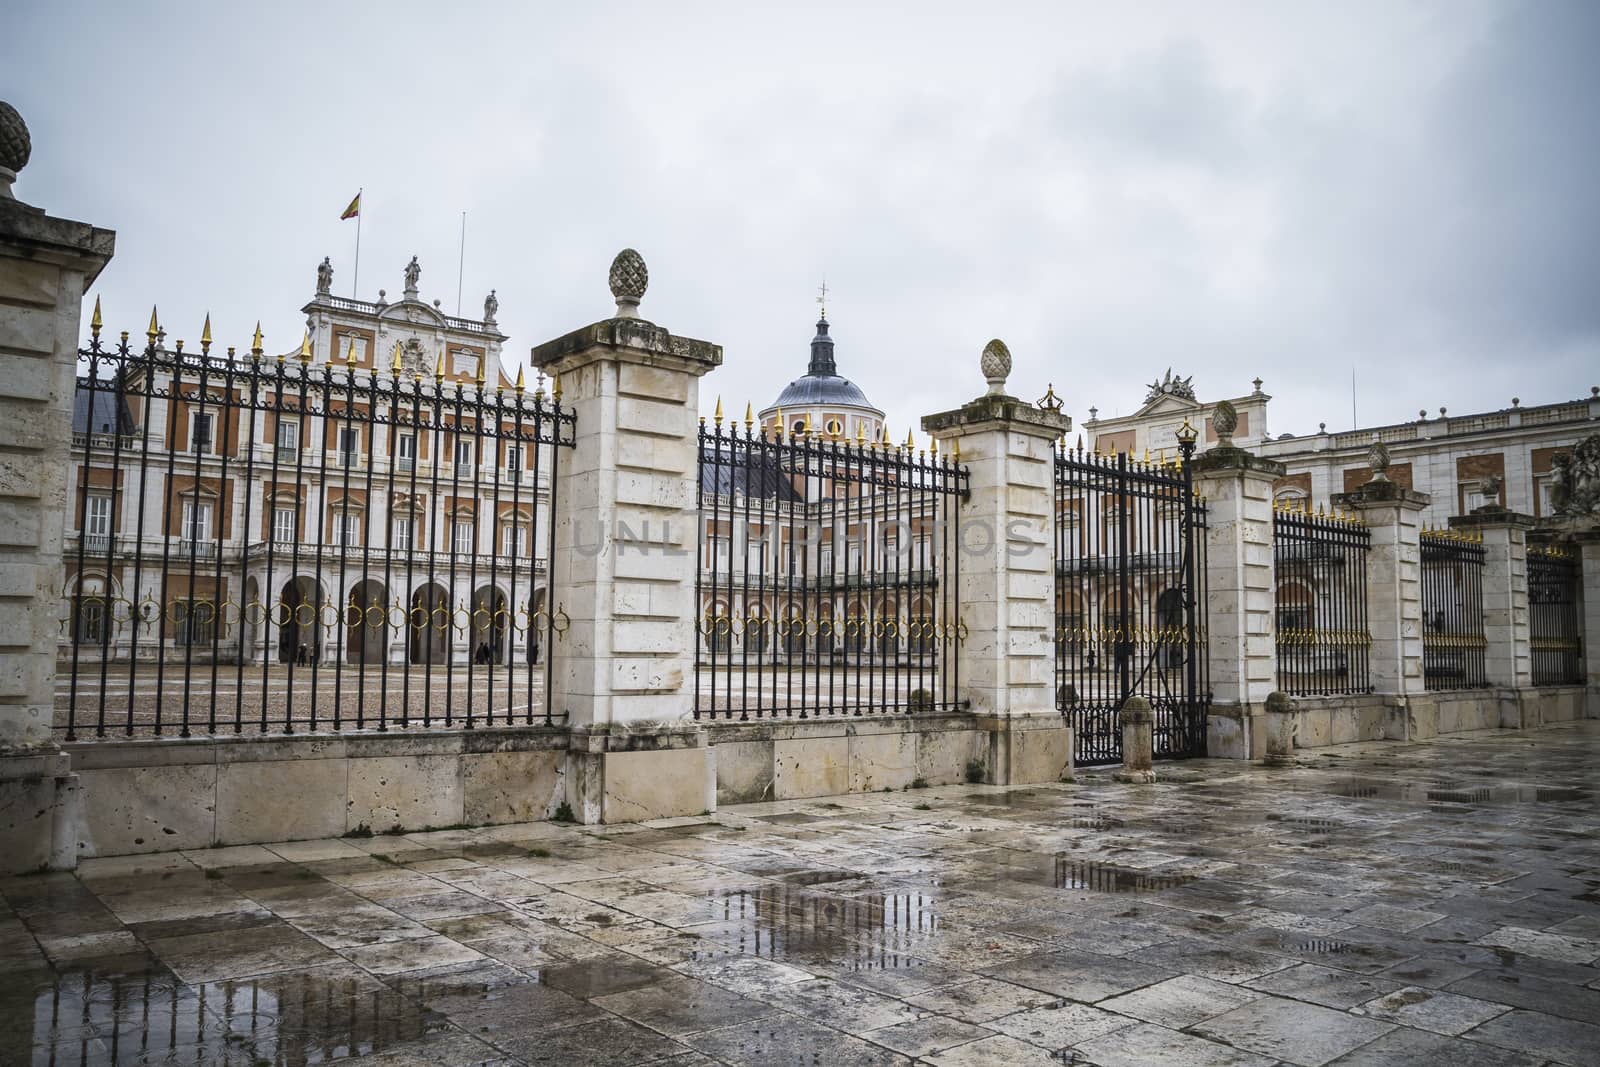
[[1508, 651], [1138, 742], [1240, 596], [46, 264], [1007, 584], [625, 562], [1394, 601]]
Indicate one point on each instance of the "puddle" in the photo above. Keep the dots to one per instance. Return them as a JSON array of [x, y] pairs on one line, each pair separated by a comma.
[[790, 817], [819, 877], [1305, 824], [1323, 946], [1110, 878], [1444, 792], [288, 1019], [873, 931]]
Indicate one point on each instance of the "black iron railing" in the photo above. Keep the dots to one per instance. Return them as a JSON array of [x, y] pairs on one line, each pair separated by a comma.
[[1322, 634], [250, 579], [1453, 644], [827, 578], [1130, 539], [1557, 638]]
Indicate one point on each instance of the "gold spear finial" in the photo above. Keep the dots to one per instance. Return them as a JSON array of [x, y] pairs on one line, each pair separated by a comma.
[[519, 385], [350, 352], [955, 450], [778, 419], [438, 369], [255, 342], [911, 441], [749, 416], [933, 447], [155, 326], [94, 320], [1080, 442], [205, 335], [861, 433], [718, 413], [555, 387], [806, 430], [395, 363], [305, 347], [482, 362]]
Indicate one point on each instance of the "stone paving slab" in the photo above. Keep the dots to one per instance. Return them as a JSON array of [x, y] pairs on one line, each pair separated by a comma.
[[1423, 904]]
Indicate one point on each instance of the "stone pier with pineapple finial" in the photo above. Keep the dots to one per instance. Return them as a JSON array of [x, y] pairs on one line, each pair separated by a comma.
[[46, 265], [625, 536], [1007, 581]]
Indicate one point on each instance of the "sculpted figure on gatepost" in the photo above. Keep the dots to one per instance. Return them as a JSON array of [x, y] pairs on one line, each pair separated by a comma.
[[1575, 479]]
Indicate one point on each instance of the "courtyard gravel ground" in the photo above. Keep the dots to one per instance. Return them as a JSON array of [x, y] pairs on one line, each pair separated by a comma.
[[1420, 904]]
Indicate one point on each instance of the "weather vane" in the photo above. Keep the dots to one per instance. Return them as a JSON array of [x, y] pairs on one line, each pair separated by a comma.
[[822, 296]]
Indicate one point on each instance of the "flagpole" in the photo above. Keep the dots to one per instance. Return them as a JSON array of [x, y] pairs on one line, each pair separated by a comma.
[[355, 275], [461, 264]]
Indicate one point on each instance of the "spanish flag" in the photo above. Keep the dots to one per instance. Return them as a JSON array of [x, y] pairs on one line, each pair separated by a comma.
[[354, 209]]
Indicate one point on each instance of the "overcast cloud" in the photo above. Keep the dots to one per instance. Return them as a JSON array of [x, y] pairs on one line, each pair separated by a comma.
[[1292, 191]]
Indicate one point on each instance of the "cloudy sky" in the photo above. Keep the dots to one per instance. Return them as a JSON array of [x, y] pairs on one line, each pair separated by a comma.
[[1295, 191]]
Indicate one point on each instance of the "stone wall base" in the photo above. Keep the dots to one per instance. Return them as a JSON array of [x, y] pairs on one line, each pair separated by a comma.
[[159, 795], [1338, 720], [1236, 731], [792, 759], [39, 809]]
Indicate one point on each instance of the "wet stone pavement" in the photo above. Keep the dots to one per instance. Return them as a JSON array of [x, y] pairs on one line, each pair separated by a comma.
[[1434, 903]]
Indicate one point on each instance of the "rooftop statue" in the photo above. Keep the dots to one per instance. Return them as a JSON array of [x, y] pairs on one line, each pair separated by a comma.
[[324, 277], [413, 273], [1167, 385]]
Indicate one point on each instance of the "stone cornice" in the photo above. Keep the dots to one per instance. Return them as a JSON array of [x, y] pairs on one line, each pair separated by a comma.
[[1382, 494], [31, 234], [629, 340], [1492, 517], [999, 412], [1219, 460]]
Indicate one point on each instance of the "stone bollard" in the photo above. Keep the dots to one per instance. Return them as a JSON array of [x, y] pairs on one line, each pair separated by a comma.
[[1138, 742], [1280, 722]]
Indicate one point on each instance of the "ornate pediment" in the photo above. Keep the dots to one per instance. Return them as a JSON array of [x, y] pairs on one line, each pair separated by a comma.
[[1168, 385]]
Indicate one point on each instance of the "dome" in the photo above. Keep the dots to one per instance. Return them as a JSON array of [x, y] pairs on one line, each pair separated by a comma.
[[822, 390], [822, 386]]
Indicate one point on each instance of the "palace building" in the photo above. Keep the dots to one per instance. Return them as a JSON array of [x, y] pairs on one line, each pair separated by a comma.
[[304, 506]]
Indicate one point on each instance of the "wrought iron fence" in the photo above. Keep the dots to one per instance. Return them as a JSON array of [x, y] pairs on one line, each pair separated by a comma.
[[1453, 644], [1553, 575], [827, 574], [1130, 541], [245, 553], [1323, 639]]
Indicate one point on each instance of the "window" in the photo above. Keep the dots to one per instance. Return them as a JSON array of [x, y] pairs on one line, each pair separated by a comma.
[[283, 525], [349, 445], [513, 459], [194, 622], [402, 534], [196, 522], [825, 559], [97, 522], [461, 537], [511, 539], [463, 453], [347, 529], [405, 451], [288, 440], [721, 550], [91, 625], [200, 439]]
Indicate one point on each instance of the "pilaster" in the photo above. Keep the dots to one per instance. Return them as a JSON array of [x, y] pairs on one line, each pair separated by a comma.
[[1007, 584], [1240, 596], [624, 561], [46, 265]]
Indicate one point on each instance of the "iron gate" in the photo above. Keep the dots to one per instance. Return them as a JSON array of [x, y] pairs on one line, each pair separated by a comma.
[[1130, 599]]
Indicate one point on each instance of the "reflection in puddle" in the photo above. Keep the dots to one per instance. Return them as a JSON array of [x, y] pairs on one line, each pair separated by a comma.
[[1110, 878], [1304, 823], [85, 1018], [1454, 792], [869, 932]]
